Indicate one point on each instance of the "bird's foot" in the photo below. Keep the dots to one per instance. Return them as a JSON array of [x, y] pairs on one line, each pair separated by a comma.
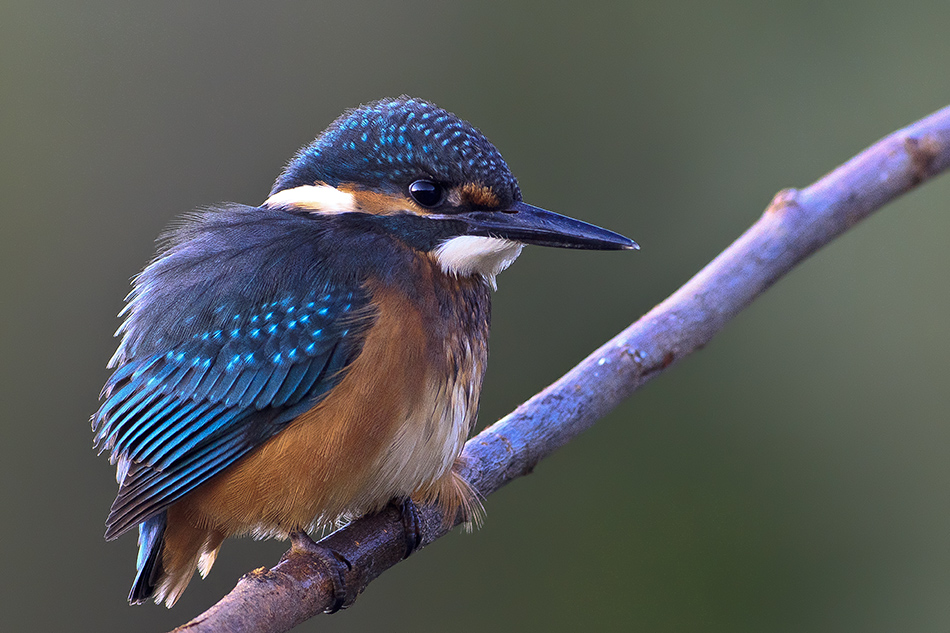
[[411, 524], [334, 563]]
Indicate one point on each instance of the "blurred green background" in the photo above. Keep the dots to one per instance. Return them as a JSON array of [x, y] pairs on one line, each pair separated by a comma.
[[793, 476]]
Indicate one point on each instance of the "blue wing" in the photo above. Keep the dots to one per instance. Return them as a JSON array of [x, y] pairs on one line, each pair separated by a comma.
[[227, 339]]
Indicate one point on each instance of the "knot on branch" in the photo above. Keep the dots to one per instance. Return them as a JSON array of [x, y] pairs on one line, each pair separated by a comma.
[[921, 152], [261, 574], [783, 200]]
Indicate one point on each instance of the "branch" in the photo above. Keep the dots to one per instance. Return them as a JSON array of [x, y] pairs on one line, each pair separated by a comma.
[[795, 225]]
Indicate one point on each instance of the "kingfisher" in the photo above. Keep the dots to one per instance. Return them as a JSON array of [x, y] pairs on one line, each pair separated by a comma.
[[289, 366]]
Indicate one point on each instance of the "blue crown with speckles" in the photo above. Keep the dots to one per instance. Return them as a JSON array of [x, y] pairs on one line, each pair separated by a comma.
[[389, 143]]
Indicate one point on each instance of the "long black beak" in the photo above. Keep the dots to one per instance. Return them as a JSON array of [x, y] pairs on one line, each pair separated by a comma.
[[531, 225]]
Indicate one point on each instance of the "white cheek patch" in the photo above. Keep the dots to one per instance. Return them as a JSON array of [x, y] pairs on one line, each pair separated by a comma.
[[474, 255], [314, 198]]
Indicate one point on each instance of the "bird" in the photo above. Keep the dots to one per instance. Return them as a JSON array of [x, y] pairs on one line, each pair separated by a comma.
[[289, 366]]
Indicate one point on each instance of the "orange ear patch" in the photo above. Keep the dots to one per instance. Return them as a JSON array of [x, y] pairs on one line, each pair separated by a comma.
[[479, 195], [375, 202]]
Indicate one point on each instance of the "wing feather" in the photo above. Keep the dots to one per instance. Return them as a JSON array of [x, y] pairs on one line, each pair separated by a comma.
[[229, 334]]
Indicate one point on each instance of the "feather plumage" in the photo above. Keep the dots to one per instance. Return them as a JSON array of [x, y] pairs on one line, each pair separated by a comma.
[[227, 338]]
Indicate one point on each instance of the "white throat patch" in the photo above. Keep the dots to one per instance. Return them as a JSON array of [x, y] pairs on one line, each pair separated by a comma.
[[469, 255]]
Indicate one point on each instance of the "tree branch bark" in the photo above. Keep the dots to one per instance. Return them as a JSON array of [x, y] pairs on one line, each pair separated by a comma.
[[795, 224]]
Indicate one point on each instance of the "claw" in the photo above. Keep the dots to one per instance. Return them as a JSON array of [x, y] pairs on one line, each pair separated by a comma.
[[411, 524], [334, 563]]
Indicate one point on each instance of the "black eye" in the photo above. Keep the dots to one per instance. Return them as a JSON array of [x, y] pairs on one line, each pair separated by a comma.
[[426, 193]]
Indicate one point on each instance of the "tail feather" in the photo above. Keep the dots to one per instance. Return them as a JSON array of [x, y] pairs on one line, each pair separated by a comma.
[[149, 563], [170, 549]]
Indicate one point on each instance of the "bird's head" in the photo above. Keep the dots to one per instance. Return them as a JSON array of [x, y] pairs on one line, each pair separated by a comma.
[[419, 172]]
